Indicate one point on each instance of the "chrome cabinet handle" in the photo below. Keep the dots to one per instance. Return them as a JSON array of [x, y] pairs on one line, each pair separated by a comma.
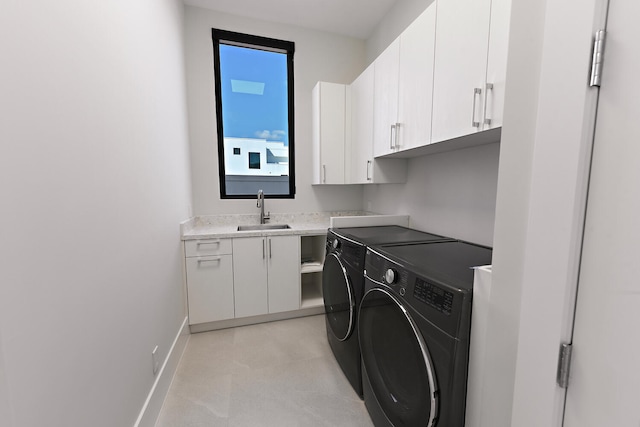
[[324, 174], [216, 259], [270, 249], [489, 87], [476, 91], [216, 242], [368, 169], [391, 137], [263, 248]]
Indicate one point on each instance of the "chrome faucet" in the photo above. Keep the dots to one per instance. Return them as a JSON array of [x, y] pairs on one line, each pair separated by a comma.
[[260, 204]]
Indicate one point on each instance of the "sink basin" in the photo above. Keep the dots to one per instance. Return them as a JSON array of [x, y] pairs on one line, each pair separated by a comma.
[[263, 227]]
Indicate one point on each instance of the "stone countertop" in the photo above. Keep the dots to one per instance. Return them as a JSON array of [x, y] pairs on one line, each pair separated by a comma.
[[226, 226]]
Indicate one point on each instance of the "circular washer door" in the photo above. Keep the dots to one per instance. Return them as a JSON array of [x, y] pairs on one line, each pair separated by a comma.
[[397, 361], [339, 302]]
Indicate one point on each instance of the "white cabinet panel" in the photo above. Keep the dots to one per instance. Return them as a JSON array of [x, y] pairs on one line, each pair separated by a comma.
[[329, 103], [462, 34], [250, 276], [283, 273], [210, 288], [385, 99], [361, 141], [497, 63], [415, 84]]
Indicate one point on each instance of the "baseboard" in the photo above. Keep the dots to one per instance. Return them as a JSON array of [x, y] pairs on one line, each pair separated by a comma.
[[153, 404]]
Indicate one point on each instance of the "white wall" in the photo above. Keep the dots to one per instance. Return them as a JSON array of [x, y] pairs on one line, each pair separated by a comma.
[[94, 181], [318, 56], [452, 193]]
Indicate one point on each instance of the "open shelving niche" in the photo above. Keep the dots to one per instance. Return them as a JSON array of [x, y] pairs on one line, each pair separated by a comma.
[[312, 253]]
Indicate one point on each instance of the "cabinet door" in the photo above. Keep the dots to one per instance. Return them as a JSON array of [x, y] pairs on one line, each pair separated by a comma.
[[329, 133], [415, 85], [250, 276], [210, 288], [361, 168], [462, 34], [497, 63], [284, 273], [385, 100]]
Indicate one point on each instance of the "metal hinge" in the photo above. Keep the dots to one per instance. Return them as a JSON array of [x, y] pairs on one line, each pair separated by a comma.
[[564, 364], [598, 58]]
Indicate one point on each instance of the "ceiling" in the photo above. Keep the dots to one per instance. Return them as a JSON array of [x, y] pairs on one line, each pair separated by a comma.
[[354, 18]]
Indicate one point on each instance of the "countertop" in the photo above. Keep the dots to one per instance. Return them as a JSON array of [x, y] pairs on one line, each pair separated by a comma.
[[226, 226]]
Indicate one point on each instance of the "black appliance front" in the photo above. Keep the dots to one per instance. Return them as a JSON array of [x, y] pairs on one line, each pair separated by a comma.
[[414, 327], [342, 288]]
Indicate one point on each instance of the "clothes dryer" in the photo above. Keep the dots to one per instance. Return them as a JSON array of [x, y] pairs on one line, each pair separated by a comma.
[[414, 328]]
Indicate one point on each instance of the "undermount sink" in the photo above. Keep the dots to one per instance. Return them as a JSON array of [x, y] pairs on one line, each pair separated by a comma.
[[263, 227]]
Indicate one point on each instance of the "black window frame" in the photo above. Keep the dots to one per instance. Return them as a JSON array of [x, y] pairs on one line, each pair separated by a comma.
[[270, 44]]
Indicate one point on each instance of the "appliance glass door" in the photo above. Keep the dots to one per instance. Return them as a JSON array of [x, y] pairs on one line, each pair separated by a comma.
[[396, 361], [339, 299]]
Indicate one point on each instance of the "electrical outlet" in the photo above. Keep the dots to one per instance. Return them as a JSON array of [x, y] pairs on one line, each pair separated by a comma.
[[156, 362]]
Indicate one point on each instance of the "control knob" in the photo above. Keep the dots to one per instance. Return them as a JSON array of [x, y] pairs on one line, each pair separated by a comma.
[[335, 244], [390, 276]]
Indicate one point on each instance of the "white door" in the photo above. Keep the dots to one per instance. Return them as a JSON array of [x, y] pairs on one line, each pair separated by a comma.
[[250, 276], [284, 273], [361, 144], [385, 99], [604, 388]]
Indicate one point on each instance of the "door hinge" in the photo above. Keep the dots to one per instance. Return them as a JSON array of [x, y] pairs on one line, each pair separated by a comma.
[[598, 58], [564, 365]]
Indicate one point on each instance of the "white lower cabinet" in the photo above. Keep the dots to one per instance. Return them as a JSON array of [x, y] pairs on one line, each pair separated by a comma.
[[251, 276], [209, 285], [266, 274]]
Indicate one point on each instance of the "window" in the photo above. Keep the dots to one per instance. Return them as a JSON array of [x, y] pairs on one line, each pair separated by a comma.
[[254, 112]]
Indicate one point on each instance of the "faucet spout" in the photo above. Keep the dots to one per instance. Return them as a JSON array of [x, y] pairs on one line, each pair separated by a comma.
[[260, 204]]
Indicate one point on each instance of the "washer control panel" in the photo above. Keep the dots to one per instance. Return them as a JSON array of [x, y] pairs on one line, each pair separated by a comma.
[[433, 295]]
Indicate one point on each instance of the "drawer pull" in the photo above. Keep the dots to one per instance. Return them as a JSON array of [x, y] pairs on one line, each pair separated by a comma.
[[217, 259], [217, 242]]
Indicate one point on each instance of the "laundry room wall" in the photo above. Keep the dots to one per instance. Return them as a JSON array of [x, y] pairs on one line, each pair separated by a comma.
[[94, 178], [319, 56], [452, 193]]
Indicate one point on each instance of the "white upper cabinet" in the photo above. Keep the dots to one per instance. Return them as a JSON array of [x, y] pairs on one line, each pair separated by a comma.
[[363, 168], [403, 89], [415, 86], [497, 63], [361, 141], [329, 120], [385, 99], [467, 97]]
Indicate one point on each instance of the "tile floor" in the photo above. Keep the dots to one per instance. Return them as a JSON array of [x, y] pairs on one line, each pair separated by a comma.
[[272, 374]]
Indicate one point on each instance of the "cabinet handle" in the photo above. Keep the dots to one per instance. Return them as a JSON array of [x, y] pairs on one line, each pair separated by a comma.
[[269, 248], [216, 259], [264, 243], [324, 174], [476, 91], [217, 242], [489, 87], [368, 167], [391, 137]]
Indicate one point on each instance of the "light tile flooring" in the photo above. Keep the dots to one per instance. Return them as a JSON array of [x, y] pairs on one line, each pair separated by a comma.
[[272, 374]]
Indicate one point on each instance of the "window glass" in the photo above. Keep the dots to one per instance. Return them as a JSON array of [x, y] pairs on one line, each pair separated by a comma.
[[254, 110]]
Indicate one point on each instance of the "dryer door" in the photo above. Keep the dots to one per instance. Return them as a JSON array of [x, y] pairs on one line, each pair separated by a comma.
[[339, 299], [397, 361]]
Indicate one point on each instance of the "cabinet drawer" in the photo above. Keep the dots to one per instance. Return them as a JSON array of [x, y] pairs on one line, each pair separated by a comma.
[[208, 247], [210, 288]]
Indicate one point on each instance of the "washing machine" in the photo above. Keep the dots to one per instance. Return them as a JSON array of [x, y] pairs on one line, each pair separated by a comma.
[[343, 287], [414, 328]]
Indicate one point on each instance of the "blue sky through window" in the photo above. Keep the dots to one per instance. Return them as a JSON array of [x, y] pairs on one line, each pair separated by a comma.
[[254, 93]]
